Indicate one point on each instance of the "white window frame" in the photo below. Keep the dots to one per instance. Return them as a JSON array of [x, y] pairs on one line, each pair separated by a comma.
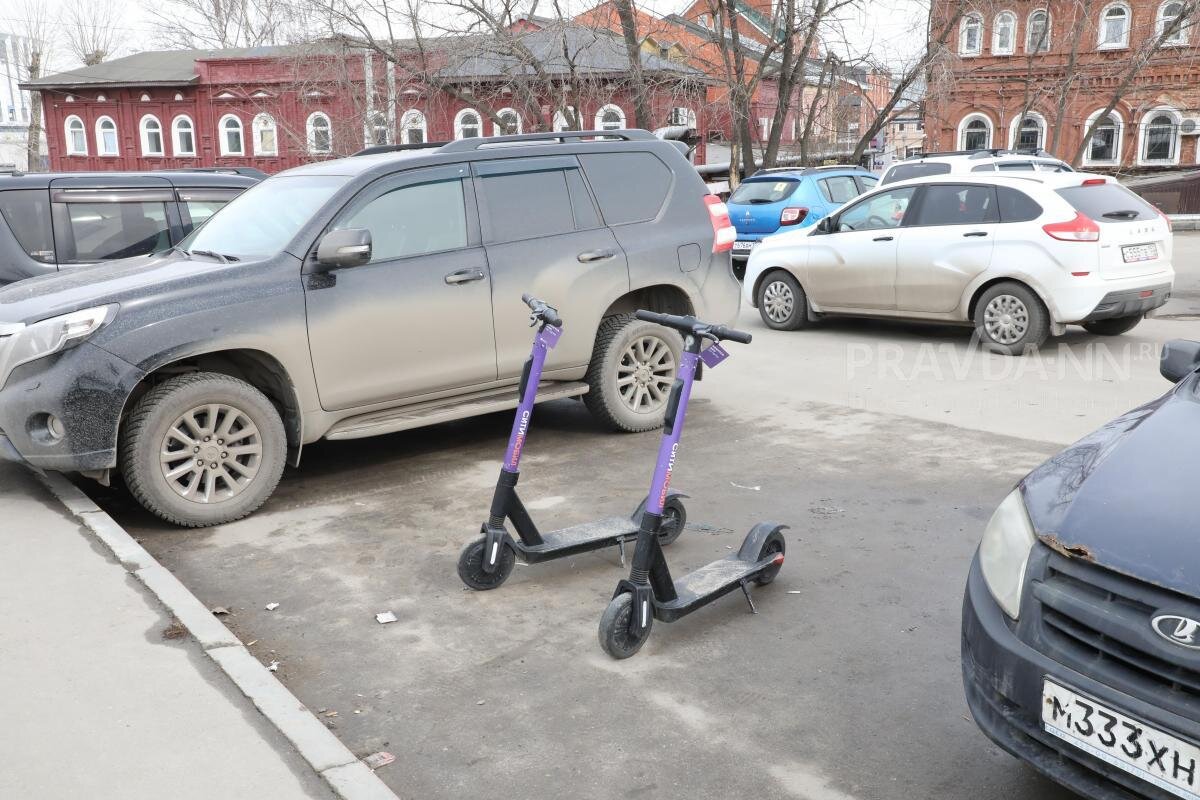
[[413, 120], [561, 123], [81, 130], [1101, 44], [1118, 140], [263, 122], [1029, 31], [224, 140], [144, 135], [967, 120], [1160, 23], [377, 122], [1014, 129], [175, 148], [101, 150], [963, 48], [1144, 132], [310, 130], [604, 109], [458, 122], [498, 131], [997, 50]]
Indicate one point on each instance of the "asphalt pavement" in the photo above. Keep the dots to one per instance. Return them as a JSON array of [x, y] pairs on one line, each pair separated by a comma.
[[885, 446]]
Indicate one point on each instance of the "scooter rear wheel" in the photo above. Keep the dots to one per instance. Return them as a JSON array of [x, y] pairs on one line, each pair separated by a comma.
[[674, 518], [774, 544], [470, 566], [616, 638]]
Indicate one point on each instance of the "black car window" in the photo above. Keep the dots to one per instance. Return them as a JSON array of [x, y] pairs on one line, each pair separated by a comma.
[[27, 213], [522, 205], [878, 211], [101, 231], [630, 187], [413, 220], [867, 182], [957, 205], [198, 212], [762, 191], [1108, 202], [984, 168], [921, 169], [839, 189], [1015, 166], [1016, 206]]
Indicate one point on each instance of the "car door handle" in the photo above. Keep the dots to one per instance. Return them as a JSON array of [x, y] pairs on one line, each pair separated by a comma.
[[975, 233], [464, 276], [882, 239], [588, 256]]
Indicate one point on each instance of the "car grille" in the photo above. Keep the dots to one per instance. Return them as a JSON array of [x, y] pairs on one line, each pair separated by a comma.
[[1098, 622]]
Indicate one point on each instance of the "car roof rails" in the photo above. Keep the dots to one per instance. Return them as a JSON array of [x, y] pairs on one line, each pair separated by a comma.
[[475, 143], [806, 170], [397, 148]]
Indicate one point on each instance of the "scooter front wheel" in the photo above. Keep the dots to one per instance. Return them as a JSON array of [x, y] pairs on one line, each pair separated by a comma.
[[771, 547], [616, 637], [470, 566], [674, 518]]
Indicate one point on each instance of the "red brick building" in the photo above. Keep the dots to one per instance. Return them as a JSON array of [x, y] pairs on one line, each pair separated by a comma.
[[277, 107], [1011, 71]]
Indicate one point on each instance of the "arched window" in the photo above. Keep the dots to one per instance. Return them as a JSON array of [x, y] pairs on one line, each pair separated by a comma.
[[1169, 14], [510, 123], [466, 124], [183, 136], [567, 118], [76, 137], [1004, 34], [1104, 147], [975, 133], [1114, 27], [970, 35], [320, 133], [106, 137], [379, 129], [1037, 32], [152, 137], [230, 129], [683, 116], [266, 138], [1160, 137], [1029, 133], [413, 126], [610, 118]]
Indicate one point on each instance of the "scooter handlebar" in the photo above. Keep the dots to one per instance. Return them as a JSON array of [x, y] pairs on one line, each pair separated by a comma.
[[693, 326], [547, 314]]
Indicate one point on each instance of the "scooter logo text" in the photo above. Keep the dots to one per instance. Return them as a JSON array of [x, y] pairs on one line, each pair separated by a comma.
[[520, 441], [662, 497]]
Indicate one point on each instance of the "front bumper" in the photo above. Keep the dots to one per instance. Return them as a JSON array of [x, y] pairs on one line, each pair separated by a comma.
[[1003, 679], [1130, 302]]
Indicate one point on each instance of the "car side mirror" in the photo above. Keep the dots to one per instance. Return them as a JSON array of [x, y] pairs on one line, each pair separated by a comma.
[[1179, 358], [825, 225], [345, 248]]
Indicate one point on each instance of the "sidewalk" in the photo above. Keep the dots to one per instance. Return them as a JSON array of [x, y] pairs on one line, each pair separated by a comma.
[[94, 701]]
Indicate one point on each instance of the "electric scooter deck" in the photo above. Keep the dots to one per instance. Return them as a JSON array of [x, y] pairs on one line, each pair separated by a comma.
[[579, 539], [709, 582]]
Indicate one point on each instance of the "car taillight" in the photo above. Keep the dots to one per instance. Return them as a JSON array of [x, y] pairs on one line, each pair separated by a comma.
[[1080, 229], [1094, 182], [724, 234], [792, 216]]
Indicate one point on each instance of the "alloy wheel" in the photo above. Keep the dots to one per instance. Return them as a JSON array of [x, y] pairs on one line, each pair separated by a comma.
[[211, 453], [645, 374]]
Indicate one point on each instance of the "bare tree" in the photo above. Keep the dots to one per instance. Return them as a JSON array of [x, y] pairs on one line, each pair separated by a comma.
[[89, 28], [36, 30], [629, 32], [222, 24]]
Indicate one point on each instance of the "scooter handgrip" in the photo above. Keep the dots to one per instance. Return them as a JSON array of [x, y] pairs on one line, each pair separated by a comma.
[[654, 316], [530, 300], [551, 317], [721, 332]]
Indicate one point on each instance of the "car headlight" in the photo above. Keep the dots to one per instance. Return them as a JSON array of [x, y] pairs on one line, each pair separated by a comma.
[[1004, 552], [37, 340]]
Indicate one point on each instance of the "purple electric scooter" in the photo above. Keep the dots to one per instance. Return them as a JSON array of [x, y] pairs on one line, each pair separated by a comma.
[[650, 593], [487, 562]]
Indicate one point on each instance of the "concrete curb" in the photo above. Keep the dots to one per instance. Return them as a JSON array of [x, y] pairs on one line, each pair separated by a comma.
[[349, 778]]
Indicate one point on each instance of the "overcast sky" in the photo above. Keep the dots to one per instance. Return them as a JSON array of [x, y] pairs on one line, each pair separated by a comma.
[[892, 30]]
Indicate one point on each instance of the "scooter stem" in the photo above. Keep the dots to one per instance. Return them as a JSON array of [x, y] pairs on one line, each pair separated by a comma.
[[668, 448], [547, 336]]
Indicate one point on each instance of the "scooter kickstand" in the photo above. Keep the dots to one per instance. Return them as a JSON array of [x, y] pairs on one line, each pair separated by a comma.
[[621, 550], [750, 600]]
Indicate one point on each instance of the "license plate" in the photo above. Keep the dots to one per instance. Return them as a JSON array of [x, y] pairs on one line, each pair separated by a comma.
[[1139, 252], [743, 247], [1159, 758]]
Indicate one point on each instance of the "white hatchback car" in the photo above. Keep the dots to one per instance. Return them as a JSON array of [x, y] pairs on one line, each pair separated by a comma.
[[959, 161], [1018, 257]]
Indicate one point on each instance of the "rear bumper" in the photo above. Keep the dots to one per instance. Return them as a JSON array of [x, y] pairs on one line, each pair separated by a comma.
[[1130, 302]]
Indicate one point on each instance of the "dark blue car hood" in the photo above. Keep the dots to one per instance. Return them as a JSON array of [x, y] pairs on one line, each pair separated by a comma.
[[1126, 496]]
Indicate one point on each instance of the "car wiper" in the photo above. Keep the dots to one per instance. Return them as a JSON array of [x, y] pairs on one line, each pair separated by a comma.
[[1123, 214], [758, 201], [224, 259]]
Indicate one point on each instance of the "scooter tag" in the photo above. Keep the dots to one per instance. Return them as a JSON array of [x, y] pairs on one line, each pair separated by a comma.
[[550, 335], [713, 354]]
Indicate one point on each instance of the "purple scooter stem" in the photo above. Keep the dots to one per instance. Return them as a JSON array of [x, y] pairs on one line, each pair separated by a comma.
[[544, 342], [668, 448]]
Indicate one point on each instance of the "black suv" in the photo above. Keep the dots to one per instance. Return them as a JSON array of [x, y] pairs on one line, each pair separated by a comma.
[[53, 221], [363, 296]]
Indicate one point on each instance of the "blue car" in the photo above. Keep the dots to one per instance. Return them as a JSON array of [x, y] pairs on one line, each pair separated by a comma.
[[772, 200]]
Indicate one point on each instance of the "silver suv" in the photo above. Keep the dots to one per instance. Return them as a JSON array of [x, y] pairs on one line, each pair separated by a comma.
[[359, 297]]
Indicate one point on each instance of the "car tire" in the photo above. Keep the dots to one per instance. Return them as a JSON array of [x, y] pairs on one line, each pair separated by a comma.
[[633, 366], [175, 417], [1112, 327], [1010, 318], [782, 303]]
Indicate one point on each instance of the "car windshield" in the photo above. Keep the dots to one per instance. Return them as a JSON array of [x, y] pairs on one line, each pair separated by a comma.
[[902, 172], [262, 220], [763, 191]]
